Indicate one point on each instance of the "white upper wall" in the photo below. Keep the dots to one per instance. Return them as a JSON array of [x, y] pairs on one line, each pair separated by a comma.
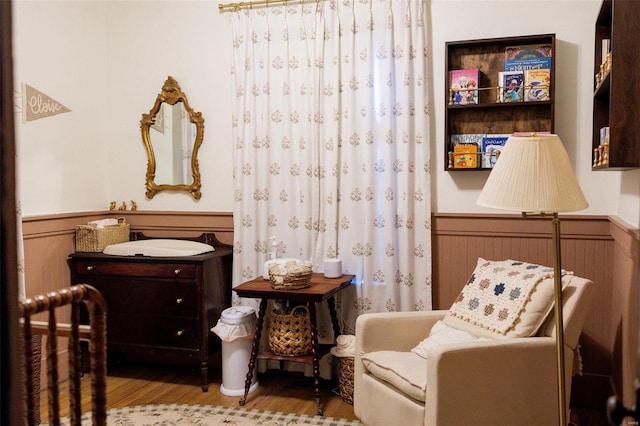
[[59, 48], [188, 40], [107, 61]]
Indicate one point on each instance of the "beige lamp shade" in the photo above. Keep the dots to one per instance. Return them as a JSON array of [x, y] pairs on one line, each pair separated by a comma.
[[533, 175]]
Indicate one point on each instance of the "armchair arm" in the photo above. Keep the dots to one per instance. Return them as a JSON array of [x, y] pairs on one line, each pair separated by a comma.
[[394, 331], [500, 382]]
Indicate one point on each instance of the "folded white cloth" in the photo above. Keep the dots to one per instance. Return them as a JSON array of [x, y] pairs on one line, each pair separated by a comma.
[[103, 222], [345, 346], [231, 332], [443, 334]]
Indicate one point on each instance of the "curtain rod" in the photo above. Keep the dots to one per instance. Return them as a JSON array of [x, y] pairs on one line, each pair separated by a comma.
[[240, 5]]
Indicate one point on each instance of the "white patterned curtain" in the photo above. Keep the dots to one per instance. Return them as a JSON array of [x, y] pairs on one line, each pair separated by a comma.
[[331, 145]]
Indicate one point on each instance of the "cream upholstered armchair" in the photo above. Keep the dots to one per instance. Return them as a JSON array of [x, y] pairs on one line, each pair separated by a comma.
[[448, 368]]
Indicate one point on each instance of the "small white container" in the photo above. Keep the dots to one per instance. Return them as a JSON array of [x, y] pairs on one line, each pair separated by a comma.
[[332, 268]]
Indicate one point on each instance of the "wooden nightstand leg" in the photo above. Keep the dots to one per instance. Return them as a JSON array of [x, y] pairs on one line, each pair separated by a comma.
[[331, 303], [315, 352], [254, 349]]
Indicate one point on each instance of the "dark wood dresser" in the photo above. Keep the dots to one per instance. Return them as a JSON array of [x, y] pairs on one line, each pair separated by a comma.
[[161, 309]]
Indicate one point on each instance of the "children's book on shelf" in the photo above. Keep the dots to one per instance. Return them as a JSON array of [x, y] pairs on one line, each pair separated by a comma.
[[492, 145], [511, 86], [527, 64], [466, 150], [604, 135], [536, 85], [533, 57], [465, 156], [606, 48], [464, 86], [528, 51], [467, 138]]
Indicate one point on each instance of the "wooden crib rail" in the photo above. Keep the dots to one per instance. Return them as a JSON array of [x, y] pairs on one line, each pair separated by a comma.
[[73, 297]]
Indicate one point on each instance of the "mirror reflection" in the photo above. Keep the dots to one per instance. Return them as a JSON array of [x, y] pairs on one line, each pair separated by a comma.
[[172, 138], [172, 133]]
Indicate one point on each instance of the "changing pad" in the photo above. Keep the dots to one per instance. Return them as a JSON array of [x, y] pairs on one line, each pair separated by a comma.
[[158, 248]]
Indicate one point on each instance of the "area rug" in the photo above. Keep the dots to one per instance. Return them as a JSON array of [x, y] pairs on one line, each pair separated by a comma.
[[208, 415]]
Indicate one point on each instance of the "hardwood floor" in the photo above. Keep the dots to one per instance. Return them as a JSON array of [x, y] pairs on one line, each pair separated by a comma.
[[138, 384]]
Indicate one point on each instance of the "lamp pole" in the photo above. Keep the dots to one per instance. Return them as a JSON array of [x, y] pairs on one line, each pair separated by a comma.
[[557, 281]]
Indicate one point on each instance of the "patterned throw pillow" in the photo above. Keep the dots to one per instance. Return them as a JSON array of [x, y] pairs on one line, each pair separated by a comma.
[[507, 298]]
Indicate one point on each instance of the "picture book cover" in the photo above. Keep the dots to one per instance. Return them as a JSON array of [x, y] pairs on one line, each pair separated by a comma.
[[466, 149], [492, 145], [464, 85], [527, 52], [474, 138], [536, 85], [527, 64], [511, 86], [465, 156]]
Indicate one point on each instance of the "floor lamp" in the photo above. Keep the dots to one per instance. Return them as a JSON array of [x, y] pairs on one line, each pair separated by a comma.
[[533, 175]]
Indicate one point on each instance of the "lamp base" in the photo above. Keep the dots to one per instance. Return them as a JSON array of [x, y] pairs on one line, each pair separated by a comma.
[[617, 412]]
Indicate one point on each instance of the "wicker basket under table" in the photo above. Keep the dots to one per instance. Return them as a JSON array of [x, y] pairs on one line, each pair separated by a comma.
[[290, 334]]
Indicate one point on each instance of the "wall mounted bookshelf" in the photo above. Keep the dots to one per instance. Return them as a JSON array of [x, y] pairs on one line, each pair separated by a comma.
[[489, 115], [616, 97]]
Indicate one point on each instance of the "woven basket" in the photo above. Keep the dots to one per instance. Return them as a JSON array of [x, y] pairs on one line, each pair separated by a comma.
[[92, 239], [298, 278], [290, 334], [345, 378]]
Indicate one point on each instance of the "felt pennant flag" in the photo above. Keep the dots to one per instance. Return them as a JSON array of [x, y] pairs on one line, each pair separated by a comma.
[[36, 105]]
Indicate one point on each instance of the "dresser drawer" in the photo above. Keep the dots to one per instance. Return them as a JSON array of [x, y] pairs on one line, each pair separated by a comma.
[[151, 330], [146, 296], [140, 269]]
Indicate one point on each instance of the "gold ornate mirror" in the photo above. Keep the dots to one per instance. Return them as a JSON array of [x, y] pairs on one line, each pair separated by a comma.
[[172, 134]]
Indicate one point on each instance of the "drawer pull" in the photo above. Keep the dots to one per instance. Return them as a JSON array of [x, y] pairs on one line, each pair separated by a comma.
[[177, 271], [180, 332], [179, 300], [90, 268]]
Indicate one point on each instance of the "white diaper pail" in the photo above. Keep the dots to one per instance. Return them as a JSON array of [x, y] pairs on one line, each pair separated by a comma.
[[236, 328]]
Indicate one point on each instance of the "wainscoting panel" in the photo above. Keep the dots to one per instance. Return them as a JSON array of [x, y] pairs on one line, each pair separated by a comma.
[[624, 316], [182, 224]]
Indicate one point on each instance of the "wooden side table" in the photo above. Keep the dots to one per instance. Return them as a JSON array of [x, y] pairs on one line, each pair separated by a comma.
[[321, 289]]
